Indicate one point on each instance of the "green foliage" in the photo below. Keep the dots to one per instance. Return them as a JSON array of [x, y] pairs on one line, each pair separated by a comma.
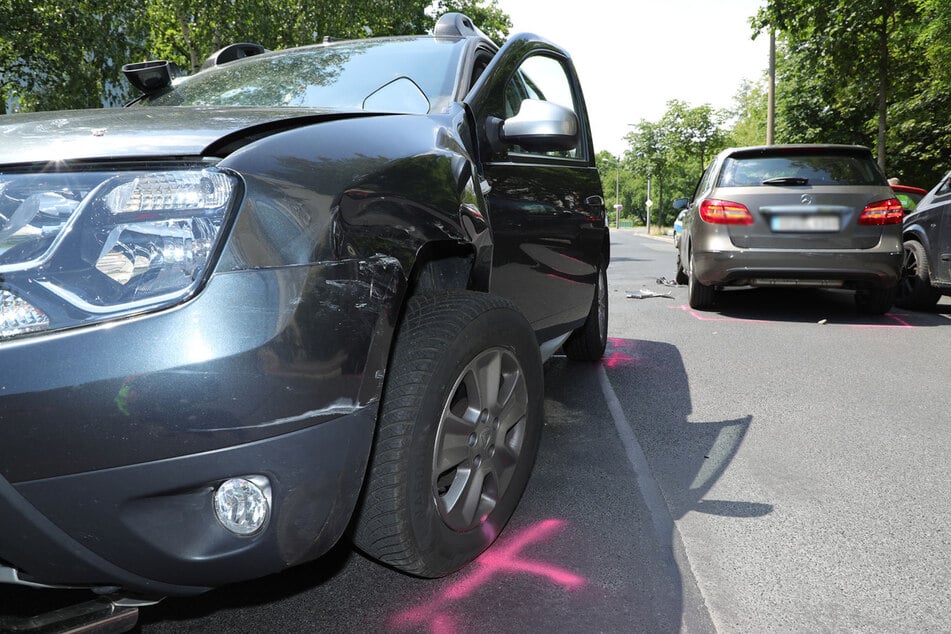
[[672, 152], [870, 72], [187, 31], [749, 115], [58, 55]]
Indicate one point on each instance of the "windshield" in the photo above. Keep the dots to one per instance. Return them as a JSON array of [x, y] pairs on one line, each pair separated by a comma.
[[394, 75]]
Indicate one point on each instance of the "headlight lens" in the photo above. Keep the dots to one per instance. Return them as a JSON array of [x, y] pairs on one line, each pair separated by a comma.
[[85, 246]]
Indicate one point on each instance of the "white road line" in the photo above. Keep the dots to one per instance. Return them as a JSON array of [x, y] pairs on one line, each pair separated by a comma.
[[660, 515], [695, 616]]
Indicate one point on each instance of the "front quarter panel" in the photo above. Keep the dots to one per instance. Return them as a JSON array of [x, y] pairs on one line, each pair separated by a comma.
[[285, 348]]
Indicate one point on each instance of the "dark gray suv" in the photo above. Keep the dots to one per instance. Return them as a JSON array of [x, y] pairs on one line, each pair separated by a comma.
[[794, 216], [293, 295]]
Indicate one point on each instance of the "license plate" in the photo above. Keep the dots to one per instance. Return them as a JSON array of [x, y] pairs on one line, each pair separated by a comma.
[[794, 222]]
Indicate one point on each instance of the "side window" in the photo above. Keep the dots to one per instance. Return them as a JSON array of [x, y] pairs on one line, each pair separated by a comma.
[[704, 182], [945, 187], [543, 78]]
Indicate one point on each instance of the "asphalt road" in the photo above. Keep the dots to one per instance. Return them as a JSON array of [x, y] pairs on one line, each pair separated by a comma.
[[777, 465], [802, 449]]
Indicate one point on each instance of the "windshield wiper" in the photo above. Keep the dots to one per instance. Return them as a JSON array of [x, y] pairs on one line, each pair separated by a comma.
[[787, 180]]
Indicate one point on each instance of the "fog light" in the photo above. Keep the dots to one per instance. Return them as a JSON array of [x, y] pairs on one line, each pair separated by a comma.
[[242, 505]]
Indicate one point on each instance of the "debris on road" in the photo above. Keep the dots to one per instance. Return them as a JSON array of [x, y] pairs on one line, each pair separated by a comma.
[[644, 294]]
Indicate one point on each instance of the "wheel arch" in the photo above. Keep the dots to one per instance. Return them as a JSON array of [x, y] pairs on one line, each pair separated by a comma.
[[916, 232]]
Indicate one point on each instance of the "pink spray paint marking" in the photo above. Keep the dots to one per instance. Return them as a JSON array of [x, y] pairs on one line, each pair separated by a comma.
[[500, 559], [899, 322], [618, 356]]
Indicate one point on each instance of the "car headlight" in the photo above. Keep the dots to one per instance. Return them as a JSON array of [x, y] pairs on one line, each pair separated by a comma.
[[80, 247]]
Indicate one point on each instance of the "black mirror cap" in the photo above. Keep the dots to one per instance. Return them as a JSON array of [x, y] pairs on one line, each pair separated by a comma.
[[681, 203], [151, 77]]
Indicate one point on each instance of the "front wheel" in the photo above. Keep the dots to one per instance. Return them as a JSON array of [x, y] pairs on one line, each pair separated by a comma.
[[914, 289], [681, 276], [458, 431]]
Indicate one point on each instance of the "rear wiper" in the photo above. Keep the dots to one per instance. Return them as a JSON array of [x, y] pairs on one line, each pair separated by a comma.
[[786, 180]]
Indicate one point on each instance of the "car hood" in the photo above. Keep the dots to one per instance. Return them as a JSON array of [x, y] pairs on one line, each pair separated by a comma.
[[137, 132]]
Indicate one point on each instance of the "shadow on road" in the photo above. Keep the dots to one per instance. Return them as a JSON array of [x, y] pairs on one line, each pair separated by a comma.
[[831, 306], [682, 460]]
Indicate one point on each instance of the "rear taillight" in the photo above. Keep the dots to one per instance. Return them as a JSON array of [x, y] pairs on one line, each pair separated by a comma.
[[724, 212], [883, 212]]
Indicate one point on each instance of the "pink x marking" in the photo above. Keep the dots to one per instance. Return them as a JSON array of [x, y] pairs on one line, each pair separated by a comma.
[[499, 559]]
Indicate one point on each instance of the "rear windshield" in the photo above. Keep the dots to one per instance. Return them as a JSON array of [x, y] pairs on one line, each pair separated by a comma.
[[756, 171]]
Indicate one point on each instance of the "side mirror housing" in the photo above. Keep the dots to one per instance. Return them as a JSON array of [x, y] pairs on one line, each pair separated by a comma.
[[681, 203], [539, 126]]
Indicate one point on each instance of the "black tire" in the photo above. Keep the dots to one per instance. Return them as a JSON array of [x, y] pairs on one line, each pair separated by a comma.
[[681, 276], [914, 288], [588, 342], [875, 301], [700, 296], [458, 431]]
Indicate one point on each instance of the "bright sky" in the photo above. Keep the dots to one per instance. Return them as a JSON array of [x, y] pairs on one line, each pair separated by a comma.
[[633, 56]]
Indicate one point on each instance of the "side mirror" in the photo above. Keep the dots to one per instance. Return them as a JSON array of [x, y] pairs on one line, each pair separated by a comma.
[[539, 126], [681, 203]]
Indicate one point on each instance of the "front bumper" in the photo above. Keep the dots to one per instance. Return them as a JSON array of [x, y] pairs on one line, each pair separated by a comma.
[[150, 529], [113, 437]]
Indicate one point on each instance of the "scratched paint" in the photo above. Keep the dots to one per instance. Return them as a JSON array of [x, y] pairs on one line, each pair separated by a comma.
[[505, 557]]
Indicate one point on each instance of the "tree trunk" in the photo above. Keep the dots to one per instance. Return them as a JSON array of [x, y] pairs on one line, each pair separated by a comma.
[[883, 84]]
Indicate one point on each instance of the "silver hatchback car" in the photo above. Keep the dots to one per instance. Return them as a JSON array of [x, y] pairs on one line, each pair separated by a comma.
[[794, 216]]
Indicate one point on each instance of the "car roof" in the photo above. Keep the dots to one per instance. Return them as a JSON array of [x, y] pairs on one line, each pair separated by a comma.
[[798, 148]]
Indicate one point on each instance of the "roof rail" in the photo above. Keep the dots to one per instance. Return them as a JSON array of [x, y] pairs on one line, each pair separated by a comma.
[[457, 24], [231, 53]]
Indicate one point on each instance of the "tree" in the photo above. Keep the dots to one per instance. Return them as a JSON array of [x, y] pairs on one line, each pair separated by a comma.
[[57, 55], [840, 60], [696, 132], [748, 115], [68, 55], [649, 155], [187, 31]]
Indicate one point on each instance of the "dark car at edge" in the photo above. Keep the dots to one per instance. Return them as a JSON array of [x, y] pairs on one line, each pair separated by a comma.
[[296, 295], [926, 270]]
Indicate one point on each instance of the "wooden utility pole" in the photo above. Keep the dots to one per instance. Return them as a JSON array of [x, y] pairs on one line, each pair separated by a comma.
[[771, 90]]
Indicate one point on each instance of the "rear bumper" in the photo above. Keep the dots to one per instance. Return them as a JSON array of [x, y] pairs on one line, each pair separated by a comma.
[[850, 269]]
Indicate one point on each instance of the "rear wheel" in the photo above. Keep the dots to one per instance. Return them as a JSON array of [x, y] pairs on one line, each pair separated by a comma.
[[588, 342], [700, 296], [681, 277], [914, 289], [458, 431]]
